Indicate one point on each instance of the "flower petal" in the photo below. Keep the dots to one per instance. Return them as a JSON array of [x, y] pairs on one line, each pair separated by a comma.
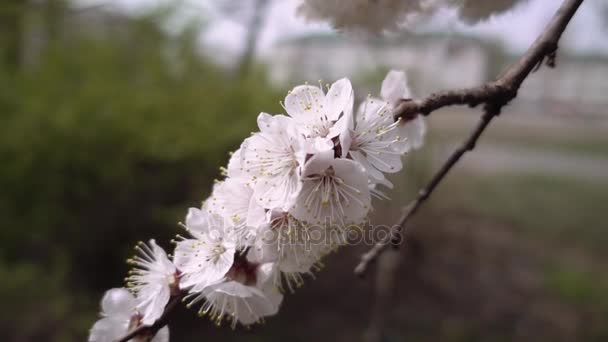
[[232, 201], [343, 129], [411, 134], [154, 306], [256, 215], [305, 103], [318, 163], [339, 99], [278, 192], [235, 169], [352, 174], [374, 174], [275, 124], [197, 221], [202, 262], [394, 87], [118, 302], [108, 329]]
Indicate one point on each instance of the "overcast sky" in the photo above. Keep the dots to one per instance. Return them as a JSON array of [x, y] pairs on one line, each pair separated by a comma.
[[516, 29]]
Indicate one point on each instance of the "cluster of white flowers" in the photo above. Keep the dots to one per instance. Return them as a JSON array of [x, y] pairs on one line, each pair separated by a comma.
[[389, 15], [120, 315], [291, 193], [473, 11], [369, 15]]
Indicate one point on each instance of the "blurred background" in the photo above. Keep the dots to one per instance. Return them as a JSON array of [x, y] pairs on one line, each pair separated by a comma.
[[116, 115]]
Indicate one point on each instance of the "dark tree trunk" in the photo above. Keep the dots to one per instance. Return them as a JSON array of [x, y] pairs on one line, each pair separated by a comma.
[[253, 33]]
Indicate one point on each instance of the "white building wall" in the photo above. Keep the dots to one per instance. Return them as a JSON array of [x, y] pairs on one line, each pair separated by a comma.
[[439, 63], [434, 65]]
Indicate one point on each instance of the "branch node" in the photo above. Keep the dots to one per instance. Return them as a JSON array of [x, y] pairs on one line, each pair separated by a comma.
[[539, 64], [423, 194], [551, 59], [396, 240]]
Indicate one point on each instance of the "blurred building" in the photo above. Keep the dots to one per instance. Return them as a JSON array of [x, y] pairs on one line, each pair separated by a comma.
[[440, 61], [579, 86], [330, 57]]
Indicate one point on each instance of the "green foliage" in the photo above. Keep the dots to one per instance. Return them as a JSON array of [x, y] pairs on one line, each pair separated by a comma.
[[36, 301], [586, 290], [105, 141], [558, 211], [579, 287]]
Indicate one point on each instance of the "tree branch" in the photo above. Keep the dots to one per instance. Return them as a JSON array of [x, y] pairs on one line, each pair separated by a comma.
[[494, 95]]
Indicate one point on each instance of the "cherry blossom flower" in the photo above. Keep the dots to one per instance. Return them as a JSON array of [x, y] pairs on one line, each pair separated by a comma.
[[234, 169], [208, 257], [371, 139], [119, 315], [245, 295], [315, 112], [272, 158], [372, 16], [233, 200], [153, 279], [334, 192], [411, 132], [474, 11], [377, 16], [295, 246]]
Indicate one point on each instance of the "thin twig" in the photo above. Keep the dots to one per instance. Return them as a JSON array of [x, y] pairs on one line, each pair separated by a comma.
[[151, 330], [494, 95]]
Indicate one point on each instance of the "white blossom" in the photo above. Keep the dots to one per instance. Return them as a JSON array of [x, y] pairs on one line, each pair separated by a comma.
[[334, 192], [207, 257], [368, 15], [246, 295], [153, 279], [371, 140], [272, 158], [473, 11], [410, 132], [234, 169], [233, 200], [119, 316], [315, 112], [293, 245], [377, 16]]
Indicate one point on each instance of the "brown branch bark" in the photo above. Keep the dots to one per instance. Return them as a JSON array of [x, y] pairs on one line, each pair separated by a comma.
[[147, 332], [494, 96]]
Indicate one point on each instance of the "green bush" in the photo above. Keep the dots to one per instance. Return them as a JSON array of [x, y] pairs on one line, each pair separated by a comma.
[[103, 142]]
